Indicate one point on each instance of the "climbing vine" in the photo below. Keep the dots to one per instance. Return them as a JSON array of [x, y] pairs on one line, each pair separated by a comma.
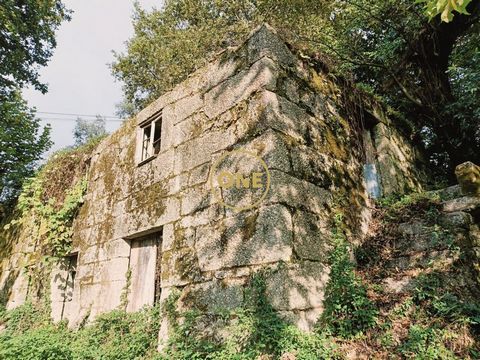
[[53, 226], [49, 203]]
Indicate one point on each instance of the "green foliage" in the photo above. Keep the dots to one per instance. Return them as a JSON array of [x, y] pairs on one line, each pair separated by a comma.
[[445, 8], [437, 322], [348, 310], [444, 304], [387, 46], [88, 130], [22, 143], [119, 336], [48, 206], [254, 330], [438, 308], [27, 38], [45, 343], [55, 224], [425, 205], [29, 334], [172, 41], [25, 317], [59, 222], [464, 75], [425, 343]]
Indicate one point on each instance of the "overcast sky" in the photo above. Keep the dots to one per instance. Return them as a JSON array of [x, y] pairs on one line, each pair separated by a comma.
[[78, 76]]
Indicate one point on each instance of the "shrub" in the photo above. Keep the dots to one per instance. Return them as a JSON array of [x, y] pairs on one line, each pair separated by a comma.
[[436, 298], [25, 317], [254, 331], [30, 334], [425, 343], [348, 310], [48, 342]]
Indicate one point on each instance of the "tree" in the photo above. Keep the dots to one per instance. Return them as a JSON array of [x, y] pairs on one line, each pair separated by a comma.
[[27, 39], [172, 42], [400, 50], [22, 143], [404, 57], [445, 9], [87, 130]]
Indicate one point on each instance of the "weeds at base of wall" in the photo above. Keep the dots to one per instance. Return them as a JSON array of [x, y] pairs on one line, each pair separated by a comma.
[[256, 331], [348, 310], [436, 316], [29, 334], [428, 323], [252, 332]]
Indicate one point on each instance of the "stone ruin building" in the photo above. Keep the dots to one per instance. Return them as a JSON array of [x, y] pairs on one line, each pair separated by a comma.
[[150, 222]]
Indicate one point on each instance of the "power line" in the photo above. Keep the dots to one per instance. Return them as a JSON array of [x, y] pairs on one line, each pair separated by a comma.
[[71, 114], [67, 119]]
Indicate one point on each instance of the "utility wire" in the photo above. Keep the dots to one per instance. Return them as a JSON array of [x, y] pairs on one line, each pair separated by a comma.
[[67, 119], [71, 114]]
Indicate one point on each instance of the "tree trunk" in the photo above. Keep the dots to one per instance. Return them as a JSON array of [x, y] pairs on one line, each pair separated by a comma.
[[426, 63]]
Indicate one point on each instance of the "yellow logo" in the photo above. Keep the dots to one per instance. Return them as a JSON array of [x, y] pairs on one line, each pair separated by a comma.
[[239, 180]]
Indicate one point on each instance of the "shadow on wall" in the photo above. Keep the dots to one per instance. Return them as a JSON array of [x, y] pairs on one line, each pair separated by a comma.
[[284, 232], [6, 286], [213, 262], [289, 233], [10, 273]]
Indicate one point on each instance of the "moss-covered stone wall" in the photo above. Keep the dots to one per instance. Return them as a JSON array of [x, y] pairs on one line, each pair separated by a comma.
[[258, 97]]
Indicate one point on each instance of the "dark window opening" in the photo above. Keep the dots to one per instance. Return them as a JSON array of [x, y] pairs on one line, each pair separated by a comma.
[[70, 262], [146, 143], [157, 137]]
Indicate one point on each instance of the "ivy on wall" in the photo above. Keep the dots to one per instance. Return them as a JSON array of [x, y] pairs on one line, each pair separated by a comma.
[[47, 207], [54, 225]]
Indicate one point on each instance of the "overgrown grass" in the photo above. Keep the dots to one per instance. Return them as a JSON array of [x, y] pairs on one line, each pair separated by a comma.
[[434, 320], [29, 334], [348, 310], [389, 213], [446, 303], [253, 332], [256, 331], [438, 318]]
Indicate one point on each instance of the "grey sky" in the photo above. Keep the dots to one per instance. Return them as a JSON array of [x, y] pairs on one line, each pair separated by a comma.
[[78, 76]]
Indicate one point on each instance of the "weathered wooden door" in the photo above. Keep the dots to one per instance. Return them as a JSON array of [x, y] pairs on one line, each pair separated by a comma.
[[144, 271]]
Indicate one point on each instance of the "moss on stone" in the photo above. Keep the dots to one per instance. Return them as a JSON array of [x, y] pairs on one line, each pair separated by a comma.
[[105, 229], [167, 258], [150, 201], [105, 167], [178, 237], [323, 85], [186, 264], [180, 265], [333, 147], [249, 226]]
